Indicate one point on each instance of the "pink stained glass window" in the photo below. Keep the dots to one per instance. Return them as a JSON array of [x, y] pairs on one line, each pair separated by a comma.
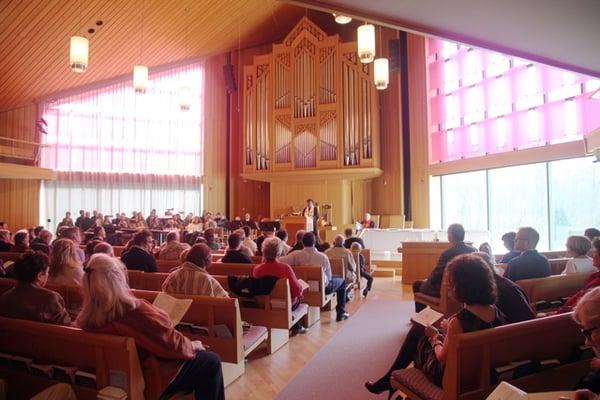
[[483, 102]]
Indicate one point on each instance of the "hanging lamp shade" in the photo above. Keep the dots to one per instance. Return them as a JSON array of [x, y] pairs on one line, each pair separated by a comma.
[[381, 73], [185, 98], [366, 43], [78, 54], [342, 19], [140, 78]]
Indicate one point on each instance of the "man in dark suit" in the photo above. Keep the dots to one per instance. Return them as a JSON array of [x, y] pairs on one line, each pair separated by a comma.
[[431, 286], [530, 264], [352, 239]]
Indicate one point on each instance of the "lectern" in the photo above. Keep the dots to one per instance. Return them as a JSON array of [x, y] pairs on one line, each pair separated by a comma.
[[294, 223]]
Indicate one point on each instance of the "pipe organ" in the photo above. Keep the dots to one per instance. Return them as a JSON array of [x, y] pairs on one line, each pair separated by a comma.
[[310, 104]]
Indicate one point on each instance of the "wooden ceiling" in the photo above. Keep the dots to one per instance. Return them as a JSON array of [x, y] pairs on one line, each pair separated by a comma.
[[34, 37]]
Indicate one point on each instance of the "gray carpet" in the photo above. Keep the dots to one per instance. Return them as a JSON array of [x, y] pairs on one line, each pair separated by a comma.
[[362, 350]]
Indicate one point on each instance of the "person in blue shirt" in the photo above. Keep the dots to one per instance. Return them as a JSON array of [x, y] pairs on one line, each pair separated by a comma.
[[530, 264]]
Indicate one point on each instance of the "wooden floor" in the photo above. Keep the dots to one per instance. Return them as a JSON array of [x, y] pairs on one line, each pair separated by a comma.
[[266, 375]]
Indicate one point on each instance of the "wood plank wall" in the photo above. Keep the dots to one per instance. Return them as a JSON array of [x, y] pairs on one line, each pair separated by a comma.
[[19, 123], [387, 190], [419, 148], [215, 135], [20, 205]]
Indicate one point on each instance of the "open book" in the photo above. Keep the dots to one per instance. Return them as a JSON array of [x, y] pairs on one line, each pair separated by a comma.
[[303, 284], [176, 308], [506, 391], [427, 316]]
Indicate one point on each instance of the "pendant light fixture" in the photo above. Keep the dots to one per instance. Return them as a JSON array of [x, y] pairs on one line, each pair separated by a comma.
[[366, 43], [381, 69], [342, 19], [79, 53], [140, 72]]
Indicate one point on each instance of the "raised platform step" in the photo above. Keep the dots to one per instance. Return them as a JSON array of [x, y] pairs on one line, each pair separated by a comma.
[[384, 272]]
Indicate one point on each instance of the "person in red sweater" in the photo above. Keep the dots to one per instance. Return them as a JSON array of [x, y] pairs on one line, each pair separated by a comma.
[[592, 282], [110, 307], [272, 248]]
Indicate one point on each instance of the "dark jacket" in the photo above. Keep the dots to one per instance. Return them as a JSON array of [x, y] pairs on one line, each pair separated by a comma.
[[530, 264], [5, 246], [434, 281], [512, 301], [139, 259], [509, 256], [236, 256], [34, 303], [348, 242]]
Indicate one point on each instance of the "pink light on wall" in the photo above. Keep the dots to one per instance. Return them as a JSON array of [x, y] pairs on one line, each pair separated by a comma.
[[483, 102]]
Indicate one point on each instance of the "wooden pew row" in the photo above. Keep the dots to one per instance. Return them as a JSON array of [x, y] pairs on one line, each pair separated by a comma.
[[472, 356], [550, 255], [553, 287], [209, 312], [113, 359], [205, 312], [312, 274], [273, 311], [444, 304]]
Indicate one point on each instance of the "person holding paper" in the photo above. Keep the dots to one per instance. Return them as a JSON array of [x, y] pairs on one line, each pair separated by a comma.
[[473, 284], [192, 277], [110, 307]]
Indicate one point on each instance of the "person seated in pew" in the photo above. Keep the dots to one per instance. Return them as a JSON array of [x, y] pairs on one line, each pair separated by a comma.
[[247, 241], [192, 277], [42, 241], [485, 247], [591, 233], [298, 245], [21, 242], [5, 241], [29, 299], [431, 286], [472, 283], [104, 248], [310, 256], [195, 225], [259, 241], [138, 255], [172, 248], [209, 236], [282, 234], [350, 238], [593, 280], [109, 307], [73, 235], [90, 246], [339, 251], [509, 242], [578, 247], [234, 253], [355, 248], [587, 315], [530, 264], [99, 234], [272, 249], [65, 267]]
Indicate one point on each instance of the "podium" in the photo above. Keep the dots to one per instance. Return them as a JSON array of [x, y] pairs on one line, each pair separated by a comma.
[[294, 223]]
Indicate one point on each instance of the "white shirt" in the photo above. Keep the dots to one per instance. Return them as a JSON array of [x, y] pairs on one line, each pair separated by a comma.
[[309, 256], [578, 265], [250, 244]]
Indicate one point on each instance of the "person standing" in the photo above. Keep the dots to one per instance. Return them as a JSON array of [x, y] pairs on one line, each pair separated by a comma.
[[311, 211]]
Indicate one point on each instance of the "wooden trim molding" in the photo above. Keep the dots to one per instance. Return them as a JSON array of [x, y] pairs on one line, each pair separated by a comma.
[[518, 157], [16, 171]]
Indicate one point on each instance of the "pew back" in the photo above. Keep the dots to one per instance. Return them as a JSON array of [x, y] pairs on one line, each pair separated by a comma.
[[553, 287], [146, 280]]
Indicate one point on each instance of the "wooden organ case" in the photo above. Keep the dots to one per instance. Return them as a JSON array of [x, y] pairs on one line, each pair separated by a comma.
[[310, 105]]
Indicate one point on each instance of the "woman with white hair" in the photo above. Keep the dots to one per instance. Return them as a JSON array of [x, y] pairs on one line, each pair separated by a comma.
[[110, 307], [272, 248], [578, 247], [587, 314]]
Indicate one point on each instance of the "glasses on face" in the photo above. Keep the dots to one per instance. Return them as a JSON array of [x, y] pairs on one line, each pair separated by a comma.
[[587, 333]]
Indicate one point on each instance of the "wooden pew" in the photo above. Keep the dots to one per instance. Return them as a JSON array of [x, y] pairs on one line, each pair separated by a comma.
[[10, 256], [445, 303], [553, 287], [113, 359], [207, 312], [167, 265], [146, 280], [472, 357], [273, 311], [557, 265]]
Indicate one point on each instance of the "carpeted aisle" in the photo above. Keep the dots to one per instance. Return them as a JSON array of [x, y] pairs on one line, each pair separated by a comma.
[[362, 350]]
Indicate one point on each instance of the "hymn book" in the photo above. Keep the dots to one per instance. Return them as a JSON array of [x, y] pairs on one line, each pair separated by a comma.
[[175, 308], [303, 284], [506, 391], [427, 317]]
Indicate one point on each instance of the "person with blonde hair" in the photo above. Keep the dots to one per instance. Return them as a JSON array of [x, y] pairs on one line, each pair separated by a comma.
[[65, 267], [192, 277], [578, 247], [110, 307], [593, 280]]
